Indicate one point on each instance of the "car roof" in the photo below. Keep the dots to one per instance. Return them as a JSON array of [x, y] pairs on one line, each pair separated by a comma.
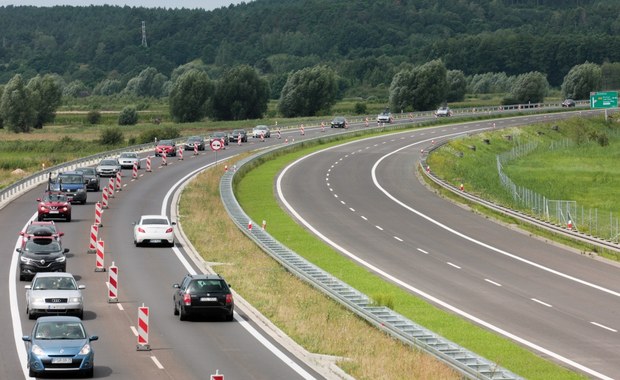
[[58, 318], [130, 153], [154, 216], [53, 274], [205, 276]]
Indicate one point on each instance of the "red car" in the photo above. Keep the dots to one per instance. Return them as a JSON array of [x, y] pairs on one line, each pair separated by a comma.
[[54, 205], [168, 146], [36, 228]]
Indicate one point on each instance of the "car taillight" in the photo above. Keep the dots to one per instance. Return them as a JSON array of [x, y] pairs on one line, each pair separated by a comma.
[[187, 299], [169, 230], [229, 298], [141, 230]]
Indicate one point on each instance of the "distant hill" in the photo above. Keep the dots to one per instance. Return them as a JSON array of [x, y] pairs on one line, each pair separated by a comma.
[[365, 41]]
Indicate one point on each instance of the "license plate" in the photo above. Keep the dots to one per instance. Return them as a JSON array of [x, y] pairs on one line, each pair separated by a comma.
[[61, 360], [53, 212], [208, 299], [156, 241], [53, 307]]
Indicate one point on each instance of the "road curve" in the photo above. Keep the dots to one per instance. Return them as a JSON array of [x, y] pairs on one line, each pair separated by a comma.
[[364, 198]]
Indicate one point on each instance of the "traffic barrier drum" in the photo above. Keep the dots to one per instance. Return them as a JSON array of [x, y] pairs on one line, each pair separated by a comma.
[[94, 232], [104, 197], [119, 187], [111, 188], [143, 329], [148, 164], [113, 284], [99, 259], [134, 170], [98, 212]]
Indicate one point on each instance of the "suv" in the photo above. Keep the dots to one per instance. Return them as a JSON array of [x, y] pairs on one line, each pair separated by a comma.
[[36, 228], [91, 177], [71, 183], [54, 205], [41, 254], [54, 293], [443, 112], [203, 294]]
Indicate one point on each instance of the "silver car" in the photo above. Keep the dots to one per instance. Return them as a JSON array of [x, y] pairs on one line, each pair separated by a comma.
[[54, 293], [108, 167], [127, 160]]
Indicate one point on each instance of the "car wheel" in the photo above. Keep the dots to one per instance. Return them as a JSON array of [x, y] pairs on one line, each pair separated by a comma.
[[90, 373], [31, 373], [31, 315], [80, 314], [83, 202], [22, 277], [229, 317], [68, 219], [176, 310], [182, 315], [40, 218]]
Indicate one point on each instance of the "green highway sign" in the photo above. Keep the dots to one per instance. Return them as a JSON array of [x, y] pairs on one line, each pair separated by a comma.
[[607, 99]]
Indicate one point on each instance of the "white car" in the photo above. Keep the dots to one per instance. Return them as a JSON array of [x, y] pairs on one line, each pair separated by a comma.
[[54, 293], [261, 130], [108, 167], [127, 160], [443, 112], [153, 229], [384, 117]]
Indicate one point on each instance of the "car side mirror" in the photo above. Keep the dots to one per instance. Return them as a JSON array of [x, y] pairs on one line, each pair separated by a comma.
[[28, 286], [81, 287], [66, 250], [22, 233], [38, 199], [174, 223], [26, 338], [94, 337], [61, 234], [176, 286], [19, 250]]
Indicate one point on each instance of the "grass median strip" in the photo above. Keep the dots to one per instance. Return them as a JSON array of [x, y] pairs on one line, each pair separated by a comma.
[[297, 309]]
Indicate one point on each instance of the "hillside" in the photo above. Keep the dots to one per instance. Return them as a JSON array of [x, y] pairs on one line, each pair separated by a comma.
[[364, 40]]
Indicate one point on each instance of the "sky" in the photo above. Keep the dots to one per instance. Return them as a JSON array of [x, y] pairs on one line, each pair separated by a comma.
[[191, 4]]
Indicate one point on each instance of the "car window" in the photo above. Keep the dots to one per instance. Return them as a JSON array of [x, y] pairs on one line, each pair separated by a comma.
[[55, 198], [59, 330], [56, 283], [129, 155], [108, 162], [90, 171], [155, 221], [34, 227], [205, 286], [42, 246]]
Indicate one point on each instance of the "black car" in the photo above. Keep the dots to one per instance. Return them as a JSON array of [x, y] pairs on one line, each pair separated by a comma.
[[234, 136], [202, 294], [193, 140], [41, 254], [339, 122], [222, 136], [91, 178]]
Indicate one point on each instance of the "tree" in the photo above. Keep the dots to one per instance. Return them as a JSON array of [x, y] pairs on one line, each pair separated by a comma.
[[240, 94], [581, 80], [108, 87], [45, 97], [75, 89], [189, 96], [308, 92], [531, 87], [15, 108], [128, 116], [148, 83], [421, 88], [457, 85]]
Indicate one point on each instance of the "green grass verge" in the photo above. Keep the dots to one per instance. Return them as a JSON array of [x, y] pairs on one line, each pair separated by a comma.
[[255, 192]]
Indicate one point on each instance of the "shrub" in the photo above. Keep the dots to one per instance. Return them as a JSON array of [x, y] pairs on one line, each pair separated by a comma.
[[93, 117], [128, 116], [161, 133], [112, 136], [361, 108]]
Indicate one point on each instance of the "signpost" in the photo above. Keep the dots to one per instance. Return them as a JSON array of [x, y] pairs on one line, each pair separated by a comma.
[[215, 146], [606, 100]]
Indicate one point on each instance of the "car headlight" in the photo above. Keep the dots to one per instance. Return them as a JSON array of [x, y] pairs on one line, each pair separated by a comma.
[[61, 259], [37, 299], [85, 349], [75, 300], [25, 260], [81, 190], [37, 350]]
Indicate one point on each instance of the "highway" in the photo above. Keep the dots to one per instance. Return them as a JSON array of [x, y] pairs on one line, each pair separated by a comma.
[[364, 199]]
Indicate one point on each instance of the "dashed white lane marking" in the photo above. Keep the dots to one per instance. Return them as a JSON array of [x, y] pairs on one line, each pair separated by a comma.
[[541, 302], [453, 265], [365, 218], [352, 209], [604, 327], [423, 251], [492, 282], [397, 238], [379, 228], [157, 363], [133, 329]]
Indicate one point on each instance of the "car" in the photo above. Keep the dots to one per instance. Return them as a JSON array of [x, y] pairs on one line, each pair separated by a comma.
[[153, 229], [384, 117], [568, 103], [54, 293], [193, 140], [443, 112], [222, 136], [108, 167], [201, 294], [93, 182], [38, 228], [166, 146], [127, 159], [239, 133], [54, 205], [261, 130], [339, 122], [60, 344], [71, 183], [41, 254]]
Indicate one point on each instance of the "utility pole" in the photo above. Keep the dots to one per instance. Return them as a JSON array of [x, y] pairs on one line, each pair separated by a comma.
[[144, 34]]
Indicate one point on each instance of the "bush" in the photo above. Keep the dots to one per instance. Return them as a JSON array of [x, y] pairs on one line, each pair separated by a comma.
[[162, 133], [128, 116], [361, 108], [93, 117], [112, 136]]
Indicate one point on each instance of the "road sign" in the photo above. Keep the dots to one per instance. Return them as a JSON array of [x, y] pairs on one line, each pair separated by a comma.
[[607, 99], [216, 145]]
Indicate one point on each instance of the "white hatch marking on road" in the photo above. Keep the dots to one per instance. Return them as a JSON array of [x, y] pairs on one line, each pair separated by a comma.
[[365, 218], [423, 251], [352, 209], [157, 363], [492, 282], [541, 302], [379, 228], [604, 327], [397, 238], [133, 329], [120, 306], [453, 265]]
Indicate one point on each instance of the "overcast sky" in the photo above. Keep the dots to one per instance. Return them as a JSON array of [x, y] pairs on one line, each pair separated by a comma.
[[191, 4]]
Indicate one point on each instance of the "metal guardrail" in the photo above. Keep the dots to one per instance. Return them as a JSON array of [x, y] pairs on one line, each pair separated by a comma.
[[466, 362]]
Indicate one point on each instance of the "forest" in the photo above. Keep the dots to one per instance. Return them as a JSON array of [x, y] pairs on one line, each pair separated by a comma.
[[364, 41]]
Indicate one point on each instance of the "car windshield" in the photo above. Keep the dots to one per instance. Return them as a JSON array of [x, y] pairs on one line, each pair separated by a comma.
[[206, 286], [129, 155], [165, 142], [55, 198], [237, 131], [108, 163], [195, 138], [339, 119], [42, 246], [54, 283], [59, 330], [155, 221], [72, 179], [88, 171]]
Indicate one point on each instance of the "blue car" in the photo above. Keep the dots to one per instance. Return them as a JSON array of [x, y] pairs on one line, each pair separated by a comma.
[[60, 343], [71, 183]]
